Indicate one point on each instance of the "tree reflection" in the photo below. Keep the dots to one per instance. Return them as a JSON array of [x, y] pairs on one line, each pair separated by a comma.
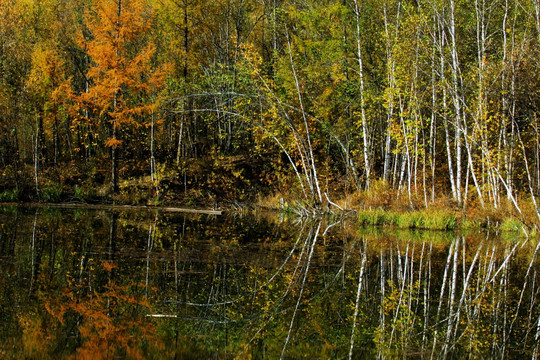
[[87, 312], [141, 285]]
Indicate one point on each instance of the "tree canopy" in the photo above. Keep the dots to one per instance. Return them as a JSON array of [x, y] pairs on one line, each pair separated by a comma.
[[226, 99]]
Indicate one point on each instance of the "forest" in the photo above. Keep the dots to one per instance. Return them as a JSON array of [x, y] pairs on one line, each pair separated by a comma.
[[331, 104]]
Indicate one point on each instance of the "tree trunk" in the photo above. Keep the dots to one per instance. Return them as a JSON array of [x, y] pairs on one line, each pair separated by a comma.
[[114, 165], [365, 145], [114, 155], [36, 156]]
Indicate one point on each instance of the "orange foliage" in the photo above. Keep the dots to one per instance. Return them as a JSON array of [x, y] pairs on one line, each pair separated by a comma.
[[122, 75], [108, 265], [112, 320]]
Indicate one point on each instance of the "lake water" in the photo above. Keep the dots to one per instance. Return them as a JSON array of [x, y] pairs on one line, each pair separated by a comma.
[[139, 284]]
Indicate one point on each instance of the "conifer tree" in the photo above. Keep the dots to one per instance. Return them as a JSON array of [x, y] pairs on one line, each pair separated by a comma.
[[122, 75]]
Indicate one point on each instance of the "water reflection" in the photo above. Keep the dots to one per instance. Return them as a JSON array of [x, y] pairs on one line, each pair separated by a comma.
[[96, 284]]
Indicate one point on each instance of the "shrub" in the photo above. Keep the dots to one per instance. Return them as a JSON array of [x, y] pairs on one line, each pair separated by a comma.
[[9, 196], [51, 193]]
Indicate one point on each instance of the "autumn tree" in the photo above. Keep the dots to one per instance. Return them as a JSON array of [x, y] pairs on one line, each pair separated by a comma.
[[123, 77], [14, 64]]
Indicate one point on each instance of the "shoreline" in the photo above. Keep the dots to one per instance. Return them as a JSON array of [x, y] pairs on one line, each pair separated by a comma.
[[113, 207], [418, 219]]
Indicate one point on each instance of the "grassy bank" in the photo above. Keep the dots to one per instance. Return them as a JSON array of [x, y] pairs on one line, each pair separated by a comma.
[[387, 207], [436, 219]]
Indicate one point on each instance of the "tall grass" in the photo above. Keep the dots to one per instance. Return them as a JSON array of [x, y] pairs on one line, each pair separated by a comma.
[[511, 224], [420, 219]]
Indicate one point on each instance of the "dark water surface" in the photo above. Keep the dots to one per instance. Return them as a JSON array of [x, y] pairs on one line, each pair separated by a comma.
[[137, 284]]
